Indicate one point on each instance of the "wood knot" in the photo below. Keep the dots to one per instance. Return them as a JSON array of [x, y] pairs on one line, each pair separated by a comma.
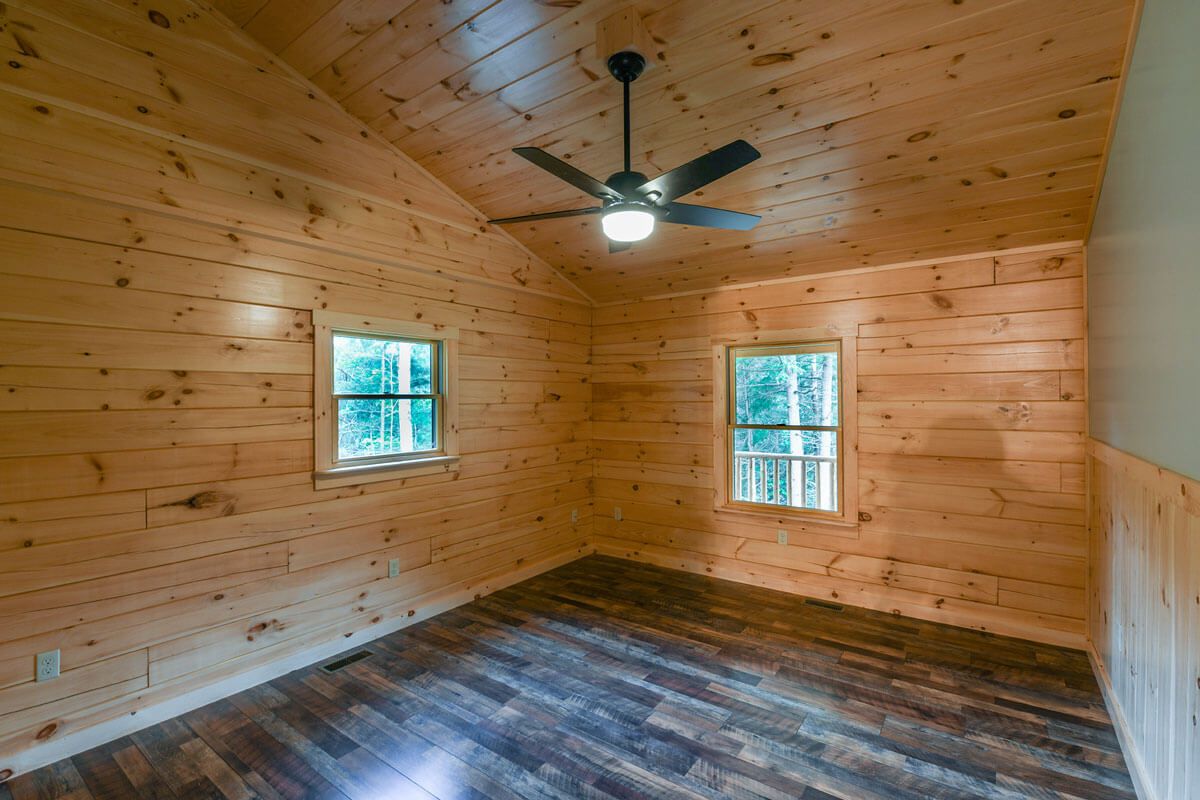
[[772, 58], [863, 516], [919, 136], [159, 18], [48, 731], [940, 301]]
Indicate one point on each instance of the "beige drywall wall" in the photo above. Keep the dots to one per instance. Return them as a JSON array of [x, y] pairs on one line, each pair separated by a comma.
[[1144, 252]]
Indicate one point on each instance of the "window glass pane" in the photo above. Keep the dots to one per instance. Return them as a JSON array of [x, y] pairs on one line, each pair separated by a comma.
[[785, 468], [369, 428], [786, 389], [381, 366]]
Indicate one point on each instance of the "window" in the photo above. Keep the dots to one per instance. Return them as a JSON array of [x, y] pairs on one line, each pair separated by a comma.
[[384, 399], [782, 432]]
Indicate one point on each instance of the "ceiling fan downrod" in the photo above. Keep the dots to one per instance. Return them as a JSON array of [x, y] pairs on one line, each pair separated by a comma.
[[629, 203], [626, 67]]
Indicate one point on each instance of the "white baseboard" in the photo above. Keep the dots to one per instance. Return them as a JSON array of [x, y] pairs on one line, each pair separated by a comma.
[[1133, 757], [128, 723]]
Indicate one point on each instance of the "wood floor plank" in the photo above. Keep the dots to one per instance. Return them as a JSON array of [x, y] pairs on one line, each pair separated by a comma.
[[608, 679]]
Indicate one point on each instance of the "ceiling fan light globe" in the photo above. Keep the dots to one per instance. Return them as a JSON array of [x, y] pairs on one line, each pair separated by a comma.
[[627, 225]]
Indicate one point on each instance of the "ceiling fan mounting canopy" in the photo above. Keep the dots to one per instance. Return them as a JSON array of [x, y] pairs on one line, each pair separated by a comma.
[[626, 66], [631, 204]]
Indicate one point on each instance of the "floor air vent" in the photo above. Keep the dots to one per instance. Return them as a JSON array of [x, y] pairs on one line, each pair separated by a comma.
[[346, 661], [812, 601]]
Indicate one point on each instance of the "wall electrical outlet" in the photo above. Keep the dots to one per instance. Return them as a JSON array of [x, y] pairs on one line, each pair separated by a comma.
[[47, 665], [781, 536], [617, 513], [574, 515], [393, 567]]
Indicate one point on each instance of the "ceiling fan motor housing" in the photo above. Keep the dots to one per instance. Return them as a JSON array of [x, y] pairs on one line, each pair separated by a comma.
[[626, 183], [630, 204]]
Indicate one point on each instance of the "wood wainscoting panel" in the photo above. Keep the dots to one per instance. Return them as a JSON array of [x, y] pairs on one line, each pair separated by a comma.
[[970, 440], [1144, 615], [175, 204]]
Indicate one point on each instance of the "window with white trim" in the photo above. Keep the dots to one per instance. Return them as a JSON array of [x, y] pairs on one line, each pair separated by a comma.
[[384, 397], [785, 433]]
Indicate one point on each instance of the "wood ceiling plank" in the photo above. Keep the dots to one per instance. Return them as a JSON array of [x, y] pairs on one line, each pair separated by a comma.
[[590, 117], [487, 32], [288, 145], [889, 130], [568, 36], [239, 12], [732, 93], [835, 108], [968, 163], [278, 22], [527, 87], [792, 258], [401, 37], [338, 30], [1089, 98], [880, 203], [208, 31]]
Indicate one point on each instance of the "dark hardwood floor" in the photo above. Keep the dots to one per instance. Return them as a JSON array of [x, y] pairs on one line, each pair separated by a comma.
[[609, 679]]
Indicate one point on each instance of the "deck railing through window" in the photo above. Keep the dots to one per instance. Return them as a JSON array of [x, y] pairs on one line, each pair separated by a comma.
[[798, 481]]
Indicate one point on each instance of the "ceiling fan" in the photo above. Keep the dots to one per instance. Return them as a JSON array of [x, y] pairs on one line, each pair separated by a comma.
[[630, 204]]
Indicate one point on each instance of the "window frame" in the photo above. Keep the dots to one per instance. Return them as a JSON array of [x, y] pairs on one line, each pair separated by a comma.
[[330, 471], [724, 424]]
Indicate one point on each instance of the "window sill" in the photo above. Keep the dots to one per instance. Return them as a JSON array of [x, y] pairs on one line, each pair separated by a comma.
[[388, 471], [795, 520]]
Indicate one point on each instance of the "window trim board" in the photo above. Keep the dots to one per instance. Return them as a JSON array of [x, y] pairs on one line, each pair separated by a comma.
[[848, 400], [327, 472]]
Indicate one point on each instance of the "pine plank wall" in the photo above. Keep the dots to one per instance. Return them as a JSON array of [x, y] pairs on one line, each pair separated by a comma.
[[971, 424], [173, 204]]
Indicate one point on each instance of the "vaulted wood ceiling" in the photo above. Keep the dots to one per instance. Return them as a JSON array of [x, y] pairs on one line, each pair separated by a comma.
[[890, 129]]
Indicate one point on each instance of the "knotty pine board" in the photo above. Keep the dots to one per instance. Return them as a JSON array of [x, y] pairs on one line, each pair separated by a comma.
[[176, 202], [885, 128], [971, 441], [1144, 614]]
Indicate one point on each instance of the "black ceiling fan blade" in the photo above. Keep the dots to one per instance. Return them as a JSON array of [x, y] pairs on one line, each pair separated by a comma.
[[576, 212], [705, 217], [700, 171], [564, 171], [616, 247]]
